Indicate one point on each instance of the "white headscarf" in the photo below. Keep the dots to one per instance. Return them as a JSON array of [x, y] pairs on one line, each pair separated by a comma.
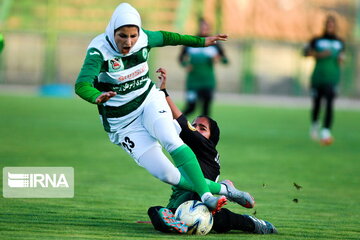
[[125, 14]]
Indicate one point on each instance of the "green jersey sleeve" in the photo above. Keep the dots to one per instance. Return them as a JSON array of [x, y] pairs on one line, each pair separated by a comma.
[[89, 71], [164, 38]]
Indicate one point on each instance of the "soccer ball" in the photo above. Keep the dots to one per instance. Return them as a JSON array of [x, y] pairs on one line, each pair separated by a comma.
[[196, 216]]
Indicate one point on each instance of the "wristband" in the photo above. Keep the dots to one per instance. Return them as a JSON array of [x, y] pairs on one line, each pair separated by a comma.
[[166, 93]]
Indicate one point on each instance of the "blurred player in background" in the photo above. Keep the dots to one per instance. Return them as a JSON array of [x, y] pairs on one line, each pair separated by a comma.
[[1, 42], [199, 63], [328, 51], [115, 76], [202, 136]]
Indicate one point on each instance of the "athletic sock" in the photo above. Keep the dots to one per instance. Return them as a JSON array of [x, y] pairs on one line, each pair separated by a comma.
[[214, 187], [185, 160], [223, 190]]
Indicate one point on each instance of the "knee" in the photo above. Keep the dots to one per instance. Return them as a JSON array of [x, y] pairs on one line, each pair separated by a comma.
[[167, 135], [168, 178], [170, 141]]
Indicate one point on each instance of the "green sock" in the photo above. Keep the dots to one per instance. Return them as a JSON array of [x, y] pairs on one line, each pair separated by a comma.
[[213, 186], [185, 160]]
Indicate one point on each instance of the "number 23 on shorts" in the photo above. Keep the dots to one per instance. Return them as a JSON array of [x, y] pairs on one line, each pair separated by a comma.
[[128, 144]]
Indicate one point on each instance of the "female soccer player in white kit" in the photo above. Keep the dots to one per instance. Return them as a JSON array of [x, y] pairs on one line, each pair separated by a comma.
[[115, 76]]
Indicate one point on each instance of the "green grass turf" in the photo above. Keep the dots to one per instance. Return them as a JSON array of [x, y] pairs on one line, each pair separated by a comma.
[[264, 150]]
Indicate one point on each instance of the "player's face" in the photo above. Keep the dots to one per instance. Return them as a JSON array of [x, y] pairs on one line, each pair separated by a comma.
[[204, 29], [330, 27], [125, 38], [202, 126]]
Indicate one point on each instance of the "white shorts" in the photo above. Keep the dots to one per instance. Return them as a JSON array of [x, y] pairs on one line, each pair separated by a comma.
[[138, 136]]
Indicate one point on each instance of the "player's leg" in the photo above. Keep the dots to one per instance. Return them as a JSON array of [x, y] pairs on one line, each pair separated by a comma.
[[191, 98], [158, 165], [226, 188], [329, 95], [157, 119], [225, 220], [147, 153], [206, 96], [315, 111], [329, 109]]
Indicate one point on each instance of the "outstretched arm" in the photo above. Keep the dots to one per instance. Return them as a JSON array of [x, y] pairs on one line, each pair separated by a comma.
[[213, 39], [164, 38], [174, 109]]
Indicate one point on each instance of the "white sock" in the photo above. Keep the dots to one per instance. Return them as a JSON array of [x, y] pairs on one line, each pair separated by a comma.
[[223, 190], [206, 196]]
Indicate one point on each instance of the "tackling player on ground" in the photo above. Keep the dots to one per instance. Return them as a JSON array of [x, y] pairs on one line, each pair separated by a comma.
[[202, 137]]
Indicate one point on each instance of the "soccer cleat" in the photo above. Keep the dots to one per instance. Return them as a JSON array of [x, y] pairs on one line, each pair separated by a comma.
[[234, 195], [325, 137], [261, 226], [215, 203], [170, 221]]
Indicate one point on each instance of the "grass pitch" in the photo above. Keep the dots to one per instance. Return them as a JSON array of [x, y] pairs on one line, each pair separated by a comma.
[[264, 150]]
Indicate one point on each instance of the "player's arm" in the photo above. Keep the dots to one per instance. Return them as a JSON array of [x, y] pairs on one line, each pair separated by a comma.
[[341, 56], [164, 38], [221, 56], [89, 71], [174, 109], [183, 57]]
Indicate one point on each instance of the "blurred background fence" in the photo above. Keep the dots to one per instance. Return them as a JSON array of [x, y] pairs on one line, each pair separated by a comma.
[[46, 40]]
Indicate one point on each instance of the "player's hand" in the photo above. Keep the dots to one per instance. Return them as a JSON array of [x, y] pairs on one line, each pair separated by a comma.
[[162, 77], [189, 68], [323, 54], [104, 97], [212, 40]]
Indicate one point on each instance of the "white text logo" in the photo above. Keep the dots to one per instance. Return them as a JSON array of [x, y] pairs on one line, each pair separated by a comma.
[[38, 182]]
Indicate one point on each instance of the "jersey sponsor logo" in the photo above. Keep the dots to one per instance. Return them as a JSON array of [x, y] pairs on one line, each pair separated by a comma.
[[131, 85], [134, 74], [115, 65], [191, 126], [162, 111]]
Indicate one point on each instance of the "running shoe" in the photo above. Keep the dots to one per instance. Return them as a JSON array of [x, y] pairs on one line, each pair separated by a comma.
[[261, 226]]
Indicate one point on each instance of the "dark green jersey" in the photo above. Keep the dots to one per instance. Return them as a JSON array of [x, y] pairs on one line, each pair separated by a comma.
[[327, 69], [201, 60]]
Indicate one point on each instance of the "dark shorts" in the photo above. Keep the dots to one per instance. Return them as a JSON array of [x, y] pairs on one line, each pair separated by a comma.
[[326, 91]]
